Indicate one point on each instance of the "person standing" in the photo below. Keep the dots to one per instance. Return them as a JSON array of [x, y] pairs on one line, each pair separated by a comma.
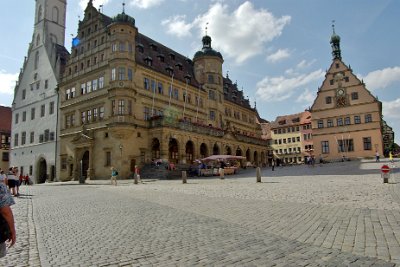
[[377, 156], [5, 202], [114, 174], [11, 181], [390, 157], [273, 164]]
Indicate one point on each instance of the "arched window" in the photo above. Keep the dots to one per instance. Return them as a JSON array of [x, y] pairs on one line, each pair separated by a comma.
[[55, 14], [37, 39], [36, 59]]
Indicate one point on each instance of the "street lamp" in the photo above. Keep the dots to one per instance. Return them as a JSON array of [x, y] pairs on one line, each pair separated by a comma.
[[120, 162]]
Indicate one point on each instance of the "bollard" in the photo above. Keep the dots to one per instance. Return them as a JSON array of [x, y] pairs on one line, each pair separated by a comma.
[[258, 174], [221, 173], [135, 177], [184, 177]]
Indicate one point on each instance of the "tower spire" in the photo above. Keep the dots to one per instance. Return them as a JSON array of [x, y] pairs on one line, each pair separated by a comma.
[[335, 43]]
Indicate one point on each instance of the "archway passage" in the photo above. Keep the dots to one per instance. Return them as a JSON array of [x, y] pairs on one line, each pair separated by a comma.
[[173, 150], [203, 151], [85, 164], [215, 149], [155, 149], [42, 171], [189, 152], [228, 150]]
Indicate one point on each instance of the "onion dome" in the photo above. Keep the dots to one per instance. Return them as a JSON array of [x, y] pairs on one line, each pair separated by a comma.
[[207, 49], [124, 18], [335, 44]]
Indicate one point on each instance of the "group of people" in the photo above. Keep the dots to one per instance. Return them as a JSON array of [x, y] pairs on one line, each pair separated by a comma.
[[10, 179]]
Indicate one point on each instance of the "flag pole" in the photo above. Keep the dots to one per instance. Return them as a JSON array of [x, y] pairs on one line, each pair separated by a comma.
[[198, 103], [170, 90], [186, 96]]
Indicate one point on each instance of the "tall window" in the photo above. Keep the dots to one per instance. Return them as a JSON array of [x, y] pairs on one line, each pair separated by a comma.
[[51, 108], [211, 94], [42, 110], [24, 116], [16, 118], [36, 60], [347, 121], [32, 137], [368, 118], [320, 124], [23, 138], [95, 114], [89, 86], [121, 73], [357, 119], [146, 84], [160, 88], [101, 113], [83, 117], [367, 143], [330, 123], [212, 115], [113, 74], [83, 88], [130, 75], [94, 85], [89, 115], [121, 107], [340, 122], [16, 139], [23, 94], [101, 82], [325, 147]]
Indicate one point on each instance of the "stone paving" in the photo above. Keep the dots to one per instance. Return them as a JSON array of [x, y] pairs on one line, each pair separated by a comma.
[[338, 214]]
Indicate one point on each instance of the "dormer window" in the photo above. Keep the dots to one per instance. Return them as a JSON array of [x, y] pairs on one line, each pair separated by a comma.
[[161, 57], [172, 56], [140, 48], [149, 61], [179, 66], [153, 46], [169, 70]]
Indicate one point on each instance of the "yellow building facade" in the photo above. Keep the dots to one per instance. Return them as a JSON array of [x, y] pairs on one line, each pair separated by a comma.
[[126, 100], [346, 117]]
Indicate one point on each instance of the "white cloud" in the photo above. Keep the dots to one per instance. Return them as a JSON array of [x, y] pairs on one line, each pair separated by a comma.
[[281, 88], [144, 4], [7, 82], [305, 64], [97, 3], [278, 55], [306, 98], [381, 79], [177, 26], [240, 34], [391, 109]]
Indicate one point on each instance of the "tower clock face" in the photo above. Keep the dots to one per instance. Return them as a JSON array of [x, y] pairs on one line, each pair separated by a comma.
[[340, 92]]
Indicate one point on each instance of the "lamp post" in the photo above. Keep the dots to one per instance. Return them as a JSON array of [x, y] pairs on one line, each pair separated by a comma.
[[120, 162]]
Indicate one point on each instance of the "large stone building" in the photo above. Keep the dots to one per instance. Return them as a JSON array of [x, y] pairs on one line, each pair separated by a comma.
[[5, 134], [34, 108], [126, 99], [346, 117], [290, 137]]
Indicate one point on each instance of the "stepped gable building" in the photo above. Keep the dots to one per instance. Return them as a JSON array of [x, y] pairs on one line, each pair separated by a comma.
[[35, 104], [290, 137], [346, 117], [5, 134], [126, 100]]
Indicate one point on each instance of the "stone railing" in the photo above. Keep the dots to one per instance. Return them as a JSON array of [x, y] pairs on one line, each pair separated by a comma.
[[251, 140]]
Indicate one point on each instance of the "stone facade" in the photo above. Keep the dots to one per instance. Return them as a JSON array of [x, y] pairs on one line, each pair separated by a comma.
[[126, 100], [34, 108], [346, 117]]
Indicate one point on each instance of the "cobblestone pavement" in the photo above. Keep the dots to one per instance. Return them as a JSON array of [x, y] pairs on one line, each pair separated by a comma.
[[338, 214]]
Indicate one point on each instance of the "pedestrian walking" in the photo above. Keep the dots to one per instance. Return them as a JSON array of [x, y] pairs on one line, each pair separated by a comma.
[[114, 175], [273, 164], [5, 211], [391, 157], [377, 156]]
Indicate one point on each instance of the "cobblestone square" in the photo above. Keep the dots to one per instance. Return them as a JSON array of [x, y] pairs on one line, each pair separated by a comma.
[[337, 214]]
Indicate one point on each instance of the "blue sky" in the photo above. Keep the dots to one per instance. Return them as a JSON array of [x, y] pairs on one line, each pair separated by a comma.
[[276, 50]]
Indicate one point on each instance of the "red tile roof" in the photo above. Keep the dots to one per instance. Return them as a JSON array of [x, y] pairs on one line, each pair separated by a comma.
[[5, 119]]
